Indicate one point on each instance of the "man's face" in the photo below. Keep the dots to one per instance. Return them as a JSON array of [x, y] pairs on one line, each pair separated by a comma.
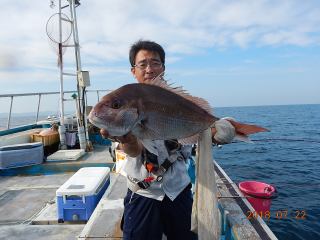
[[146, 75]]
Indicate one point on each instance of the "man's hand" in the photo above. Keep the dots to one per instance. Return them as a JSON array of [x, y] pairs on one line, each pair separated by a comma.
[[127, 138], [223, 132], [128, 143], [213, 132]]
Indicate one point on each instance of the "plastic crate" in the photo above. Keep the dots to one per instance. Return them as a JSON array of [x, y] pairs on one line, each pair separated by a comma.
[[21, 155], [46, 139]]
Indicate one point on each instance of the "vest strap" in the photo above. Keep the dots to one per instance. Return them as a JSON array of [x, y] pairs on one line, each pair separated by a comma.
[[174, 155]]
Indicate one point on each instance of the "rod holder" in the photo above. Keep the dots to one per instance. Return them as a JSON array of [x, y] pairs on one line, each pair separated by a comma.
[[62, 133], [82, 138]]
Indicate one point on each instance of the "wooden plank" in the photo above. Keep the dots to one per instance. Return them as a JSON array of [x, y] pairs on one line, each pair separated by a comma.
[[106, 218]]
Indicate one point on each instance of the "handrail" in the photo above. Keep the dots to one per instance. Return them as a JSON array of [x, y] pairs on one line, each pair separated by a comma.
[[40, 94], [32, 94], [98, 92], [47, 93]]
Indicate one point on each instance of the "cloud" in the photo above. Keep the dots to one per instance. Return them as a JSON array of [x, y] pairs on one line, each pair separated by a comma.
[[237, 71], [27, 76], [108, 28], [199, 25], [173, 59], [287, 38]]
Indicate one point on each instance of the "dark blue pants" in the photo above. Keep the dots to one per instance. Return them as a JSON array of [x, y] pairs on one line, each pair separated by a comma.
[[147, 219]]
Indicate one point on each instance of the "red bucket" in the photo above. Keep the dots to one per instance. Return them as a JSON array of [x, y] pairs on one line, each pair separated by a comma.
[[262, 194]]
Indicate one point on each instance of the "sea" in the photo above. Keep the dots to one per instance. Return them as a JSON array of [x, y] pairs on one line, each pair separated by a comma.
[[290, 161], [287, 157], [20, 121]]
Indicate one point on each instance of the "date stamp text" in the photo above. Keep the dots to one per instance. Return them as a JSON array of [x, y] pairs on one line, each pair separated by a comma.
[[279, 215]]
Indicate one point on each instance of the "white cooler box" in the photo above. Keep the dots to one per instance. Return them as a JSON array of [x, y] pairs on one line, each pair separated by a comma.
[[20, 155], [78, 197]]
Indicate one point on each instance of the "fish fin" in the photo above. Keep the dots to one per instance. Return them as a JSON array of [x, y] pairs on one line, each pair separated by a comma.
[[149, 145], [189, 140], [246, 129], [161, 82], [150, 134], [243, 137]]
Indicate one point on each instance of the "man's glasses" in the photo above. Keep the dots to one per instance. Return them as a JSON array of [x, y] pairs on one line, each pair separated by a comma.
[[144, 65]]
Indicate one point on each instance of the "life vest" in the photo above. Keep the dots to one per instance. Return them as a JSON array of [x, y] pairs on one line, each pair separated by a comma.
[[150, 161]]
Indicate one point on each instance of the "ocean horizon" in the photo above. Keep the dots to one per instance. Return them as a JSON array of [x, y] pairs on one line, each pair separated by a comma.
[[20, 114]]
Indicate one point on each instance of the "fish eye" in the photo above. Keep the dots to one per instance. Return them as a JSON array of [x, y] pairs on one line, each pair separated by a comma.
[[116, 104]]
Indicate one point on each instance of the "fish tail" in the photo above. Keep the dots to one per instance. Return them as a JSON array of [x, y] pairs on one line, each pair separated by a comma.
[[242, 130]]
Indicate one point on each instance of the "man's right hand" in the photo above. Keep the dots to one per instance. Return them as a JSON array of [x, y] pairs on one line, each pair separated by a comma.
[[128, 143], [125, 139]]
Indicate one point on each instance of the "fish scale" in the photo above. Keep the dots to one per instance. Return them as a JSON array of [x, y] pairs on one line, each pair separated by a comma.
[[180, 118]]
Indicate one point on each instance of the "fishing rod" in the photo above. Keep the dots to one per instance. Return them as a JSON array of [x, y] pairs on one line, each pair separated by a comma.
[[280, 139], [283, 184], [271, 139]]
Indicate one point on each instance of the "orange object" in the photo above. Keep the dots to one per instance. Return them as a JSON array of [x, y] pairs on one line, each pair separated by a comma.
[[148, 179], [46, 139], [150, 167], [48, 131], [120, 156]]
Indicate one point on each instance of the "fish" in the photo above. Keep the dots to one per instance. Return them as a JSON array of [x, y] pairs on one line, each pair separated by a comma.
[[158, 111]]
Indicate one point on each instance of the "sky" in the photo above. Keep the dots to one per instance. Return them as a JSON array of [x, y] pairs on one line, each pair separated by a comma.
[[229, 52]]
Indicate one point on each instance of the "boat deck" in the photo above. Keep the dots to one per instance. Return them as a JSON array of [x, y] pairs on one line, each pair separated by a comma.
[[28, 208], [21, 200]]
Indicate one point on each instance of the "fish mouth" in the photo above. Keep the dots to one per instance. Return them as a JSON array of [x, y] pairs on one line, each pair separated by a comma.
[[97, 121], [104, 124]]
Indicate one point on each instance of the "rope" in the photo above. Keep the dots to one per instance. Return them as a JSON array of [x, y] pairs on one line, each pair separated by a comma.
[[280, 139], [295, 185], [290, 185]]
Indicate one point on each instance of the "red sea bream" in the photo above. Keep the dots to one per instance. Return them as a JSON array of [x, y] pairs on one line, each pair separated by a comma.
[[157, 111]]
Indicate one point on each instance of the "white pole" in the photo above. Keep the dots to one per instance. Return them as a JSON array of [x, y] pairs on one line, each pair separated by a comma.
[[75, 34], [62, 128], [60, 68], [79, 68]]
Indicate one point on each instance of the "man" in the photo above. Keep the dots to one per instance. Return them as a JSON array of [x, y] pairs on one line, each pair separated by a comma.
[[152, 207]]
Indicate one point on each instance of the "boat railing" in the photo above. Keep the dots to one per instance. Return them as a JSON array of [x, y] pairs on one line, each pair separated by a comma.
[[11, 96]]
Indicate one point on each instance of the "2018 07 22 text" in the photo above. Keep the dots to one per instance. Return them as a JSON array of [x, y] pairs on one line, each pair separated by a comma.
[[279, 215]]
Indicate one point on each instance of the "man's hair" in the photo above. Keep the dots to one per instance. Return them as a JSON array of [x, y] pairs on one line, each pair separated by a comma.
[[145, 45]]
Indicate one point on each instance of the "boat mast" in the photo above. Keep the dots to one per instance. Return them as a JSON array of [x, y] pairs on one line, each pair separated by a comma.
[[82, 78], [82, 128], [62, 128]]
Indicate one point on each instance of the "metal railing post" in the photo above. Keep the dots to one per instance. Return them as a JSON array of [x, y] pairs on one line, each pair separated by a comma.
[[38, 108], [9, 116]]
